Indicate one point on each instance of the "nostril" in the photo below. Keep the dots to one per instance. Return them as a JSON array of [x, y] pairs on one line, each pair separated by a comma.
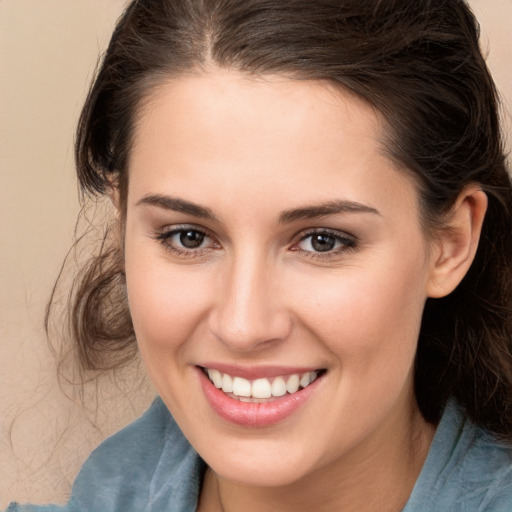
[[250, 331]]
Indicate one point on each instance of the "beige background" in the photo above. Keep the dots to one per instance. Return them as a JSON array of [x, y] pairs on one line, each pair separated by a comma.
[[48, 52]]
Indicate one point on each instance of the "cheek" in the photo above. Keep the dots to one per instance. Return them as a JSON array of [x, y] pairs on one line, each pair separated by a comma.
[[166, 308], [370, 325], [368, 318], [166, 304]]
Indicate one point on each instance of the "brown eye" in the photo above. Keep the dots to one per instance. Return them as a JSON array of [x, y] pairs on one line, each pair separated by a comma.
[[187, 241], [191, 239], [323, 242]]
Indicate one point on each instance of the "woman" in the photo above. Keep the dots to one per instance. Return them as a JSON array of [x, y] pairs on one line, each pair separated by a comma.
[[315, 244]]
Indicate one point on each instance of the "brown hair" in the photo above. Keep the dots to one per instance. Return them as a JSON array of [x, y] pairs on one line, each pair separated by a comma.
[[419, 64]]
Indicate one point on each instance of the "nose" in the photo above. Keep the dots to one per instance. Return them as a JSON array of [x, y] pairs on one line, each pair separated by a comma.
[[250, 310]]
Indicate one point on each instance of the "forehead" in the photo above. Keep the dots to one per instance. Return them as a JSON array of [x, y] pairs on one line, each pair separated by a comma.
[[250, 136], [207, 101]]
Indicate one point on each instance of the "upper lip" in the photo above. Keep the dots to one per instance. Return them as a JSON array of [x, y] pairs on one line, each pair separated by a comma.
[[257, 372]]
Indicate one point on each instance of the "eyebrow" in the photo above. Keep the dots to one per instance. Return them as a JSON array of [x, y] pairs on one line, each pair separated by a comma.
[[178, 205], [320, 210], [287, 216]]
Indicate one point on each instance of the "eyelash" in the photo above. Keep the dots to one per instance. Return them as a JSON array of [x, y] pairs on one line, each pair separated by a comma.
[[165, 238], [346, 242]]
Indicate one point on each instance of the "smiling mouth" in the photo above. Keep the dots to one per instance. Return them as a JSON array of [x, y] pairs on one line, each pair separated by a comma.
[[263, 389]]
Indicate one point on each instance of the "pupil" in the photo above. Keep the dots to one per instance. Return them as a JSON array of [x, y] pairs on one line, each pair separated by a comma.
[[323, 243], [191, 239]]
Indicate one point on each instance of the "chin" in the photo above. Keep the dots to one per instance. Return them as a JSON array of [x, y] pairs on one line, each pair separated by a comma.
[[270, 467], [253, 475]]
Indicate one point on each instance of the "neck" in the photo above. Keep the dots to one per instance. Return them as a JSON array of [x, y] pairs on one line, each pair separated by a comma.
[[378, 476]]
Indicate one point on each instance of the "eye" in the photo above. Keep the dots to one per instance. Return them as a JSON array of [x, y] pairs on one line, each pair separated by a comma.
[[186, 240], [325, 242], [190, 238]]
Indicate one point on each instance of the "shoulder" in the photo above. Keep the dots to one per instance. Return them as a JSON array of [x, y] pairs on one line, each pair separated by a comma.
[[486, 472], [149, 465], [466, 470], [16, 507]]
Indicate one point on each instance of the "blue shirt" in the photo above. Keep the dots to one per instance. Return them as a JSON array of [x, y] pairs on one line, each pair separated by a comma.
[[150, 466]]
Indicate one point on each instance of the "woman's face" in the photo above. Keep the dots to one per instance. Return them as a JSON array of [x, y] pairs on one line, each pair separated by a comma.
[[271, 241]]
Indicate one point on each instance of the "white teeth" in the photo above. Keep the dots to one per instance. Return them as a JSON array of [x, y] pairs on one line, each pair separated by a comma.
[[215, 377], [260, 388], [307, 379], [278, 387], [292, 385], [227, 383], [241, 387]]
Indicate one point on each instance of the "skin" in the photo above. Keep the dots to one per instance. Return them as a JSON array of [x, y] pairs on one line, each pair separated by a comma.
[[256, 292]]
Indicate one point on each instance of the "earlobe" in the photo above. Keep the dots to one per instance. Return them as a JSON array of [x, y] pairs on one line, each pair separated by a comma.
[[457, 243], [114, 195]]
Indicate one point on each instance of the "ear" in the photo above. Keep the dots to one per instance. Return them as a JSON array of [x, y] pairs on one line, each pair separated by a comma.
[[456, 244], [114, 194]]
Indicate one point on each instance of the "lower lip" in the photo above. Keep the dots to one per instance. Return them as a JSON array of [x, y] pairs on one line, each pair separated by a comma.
[[250, 414]]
